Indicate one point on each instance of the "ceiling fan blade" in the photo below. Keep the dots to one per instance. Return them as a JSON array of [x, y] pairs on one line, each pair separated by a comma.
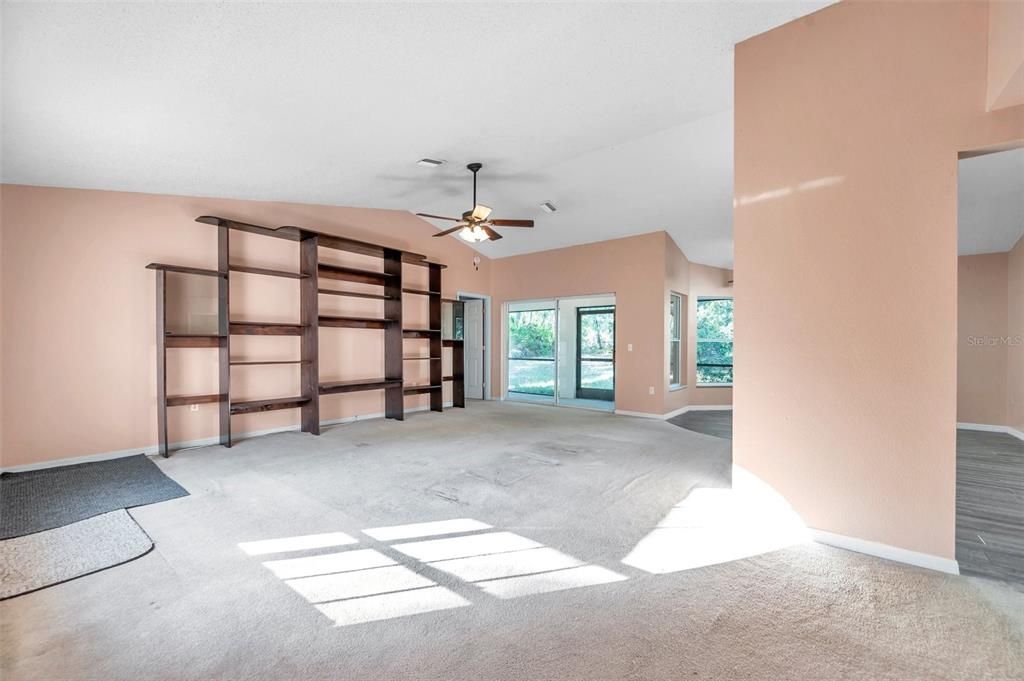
[[436, 217], [494, 236], [449, 231], [512, 223]]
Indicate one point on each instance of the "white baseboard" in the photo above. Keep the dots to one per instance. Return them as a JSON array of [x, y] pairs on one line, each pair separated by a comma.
[[69, 461], [191, 444], [924, 560], [677, 412], [992, 429], [638, 414]]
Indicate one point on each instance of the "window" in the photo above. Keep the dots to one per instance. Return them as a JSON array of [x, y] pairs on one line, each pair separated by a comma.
[[531, 352], [714, 341], [675, 326]]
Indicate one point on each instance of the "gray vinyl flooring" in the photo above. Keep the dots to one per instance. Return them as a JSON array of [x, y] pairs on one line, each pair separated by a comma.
[[990, 505], [717, 422]]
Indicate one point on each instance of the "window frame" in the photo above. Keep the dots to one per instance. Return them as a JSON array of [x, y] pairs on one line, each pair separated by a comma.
[[675, 340], [698, 341]]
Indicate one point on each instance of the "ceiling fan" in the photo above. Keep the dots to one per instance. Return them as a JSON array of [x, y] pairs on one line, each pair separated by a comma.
[[476, 225]]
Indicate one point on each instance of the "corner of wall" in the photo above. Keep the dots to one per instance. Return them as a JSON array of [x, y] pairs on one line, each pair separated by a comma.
[[677, 280]]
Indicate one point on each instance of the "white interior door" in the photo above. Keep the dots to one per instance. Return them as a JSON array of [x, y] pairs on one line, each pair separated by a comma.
[[474, 348]]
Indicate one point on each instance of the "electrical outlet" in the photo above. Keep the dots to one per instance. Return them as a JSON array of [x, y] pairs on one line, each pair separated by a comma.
[[650, 391], [629, 347], [193, 407]]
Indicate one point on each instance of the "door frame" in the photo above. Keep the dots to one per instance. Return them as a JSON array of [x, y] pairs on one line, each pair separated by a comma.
[[582, 393], [486, 369]]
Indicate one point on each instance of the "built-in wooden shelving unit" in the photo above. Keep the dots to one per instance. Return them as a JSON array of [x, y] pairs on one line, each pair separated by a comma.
[[312, 276]]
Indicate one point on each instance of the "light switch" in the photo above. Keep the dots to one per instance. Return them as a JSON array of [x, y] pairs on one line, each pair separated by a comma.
[[629, 347]]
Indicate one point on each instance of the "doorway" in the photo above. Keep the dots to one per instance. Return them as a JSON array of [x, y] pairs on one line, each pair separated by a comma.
[[561, 351], [476, 330], [595, 353], [990, 365]]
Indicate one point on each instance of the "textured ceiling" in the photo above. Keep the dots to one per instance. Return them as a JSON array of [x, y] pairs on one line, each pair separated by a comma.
[[991, 202], [619, 113]]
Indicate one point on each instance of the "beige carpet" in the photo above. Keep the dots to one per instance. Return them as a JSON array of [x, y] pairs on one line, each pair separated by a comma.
[[232, 590]]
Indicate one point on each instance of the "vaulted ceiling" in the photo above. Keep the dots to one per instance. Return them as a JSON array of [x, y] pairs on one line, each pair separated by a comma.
[[990, 209], [619, 113]]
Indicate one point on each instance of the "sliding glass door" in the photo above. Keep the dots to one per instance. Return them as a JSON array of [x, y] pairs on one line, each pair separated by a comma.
[[562, 351], [595, 353], [531, 354]]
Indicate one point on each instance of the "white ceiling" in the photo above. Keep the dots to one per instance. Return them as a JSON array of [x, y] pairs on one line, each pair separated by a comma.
[[991, 202], [619, 113]]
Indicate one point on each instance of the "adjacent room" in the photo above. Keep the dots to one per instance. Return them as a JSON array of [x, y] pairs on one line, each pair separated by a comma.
[[990, 376], [500, 340]]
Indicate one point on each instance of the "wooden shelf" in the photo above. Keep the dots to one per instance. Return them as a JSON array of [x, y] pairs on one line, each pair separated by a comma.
[[313, 277], [354, 275], [419, 389], [193, 341], [425, 263], [265, 329], [185, 270], [293, 233], [182, 400], [253, 406], [354, 322], [355, 294], [270, 273], [239, 363], [340, 243], [339, 387], [451, 342], [289, 233], [420, 333]]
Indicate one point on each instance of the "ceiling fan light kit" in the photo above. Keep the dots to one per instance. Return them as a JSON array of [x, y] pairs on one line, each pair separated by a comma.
[[473, 234], [475, 225]]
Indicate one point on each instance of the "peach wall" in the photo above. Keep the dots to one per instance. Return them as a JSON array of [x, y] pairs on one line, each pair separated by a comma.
[[1, 323], [631, 268], [628, 268], [847, 127], [1005, 54], [1015, 331], [78, 314], [982, 306], [677, 280], [694, 281]]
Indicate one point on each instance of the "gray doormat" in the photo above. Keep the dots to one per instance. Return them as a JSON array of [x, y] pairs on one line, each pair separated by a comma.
[[34, 501], [53, 556]]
